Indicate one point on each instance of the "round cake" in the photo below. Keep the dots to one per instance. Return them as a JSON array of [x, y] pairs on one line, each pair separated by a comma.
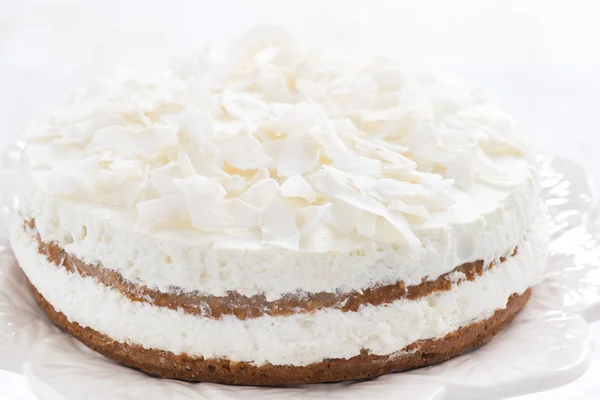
[[270, 214]]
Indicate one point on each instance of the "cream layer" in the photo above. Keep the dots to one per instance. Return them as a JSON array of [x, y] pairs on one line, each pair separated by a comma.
[[299, 339], [485, 224]]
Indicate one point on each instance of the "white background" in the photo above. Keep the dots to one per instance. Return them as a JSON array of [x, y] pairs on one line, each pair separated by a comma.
[[540, 59]]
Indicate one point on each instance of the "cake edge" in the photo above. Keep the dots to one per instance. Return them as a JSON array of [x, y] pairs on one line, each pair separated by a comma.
[[243, 307], [168, 365]]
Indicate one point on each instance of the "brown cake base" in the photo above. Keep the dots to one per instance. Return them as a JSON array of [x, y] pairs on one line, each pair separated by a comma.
[[168, 365]]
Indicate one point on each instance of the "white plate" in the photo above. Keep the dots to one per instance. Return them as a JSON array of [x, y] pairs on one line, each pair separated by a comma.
[[548, 344]]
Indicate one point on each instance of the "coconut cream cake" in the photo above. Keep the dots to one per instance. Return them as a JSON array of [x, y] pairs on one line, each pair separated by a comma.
[[271, 214]]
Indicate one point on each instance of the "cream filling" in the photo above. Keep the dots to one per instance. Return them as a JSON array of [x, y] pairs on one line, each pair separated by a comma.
[[299, 339], [485, 224]]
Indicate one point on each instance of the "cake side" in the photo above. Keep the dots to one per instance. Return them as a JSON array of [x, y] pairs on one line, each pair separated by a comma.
[[161, 260], [299, 339], [171, 366], [243, 307]]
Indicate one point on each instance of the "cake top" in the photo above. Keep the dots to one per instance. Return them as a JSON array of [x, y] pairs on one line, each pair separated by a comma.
[[271, 140]]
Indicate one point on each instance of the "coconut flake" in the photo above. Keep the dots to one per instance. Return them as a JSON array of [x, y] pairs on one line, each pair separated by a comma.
[[398, 161], [389, 79], [387, 189], [244, 152], [244, 106], [261, 174], [373, 140], [366, 225], [417, 211], [311, 90], [198, 97], [68, 185], [130, 169], [196, 126], [234, 183], [73, 178], [163, 179], [298, 118], [296, 186], [343, 217], [333, 183], [167, 210], [262, 193], [460, 167], [242, 214], [108, 180], [341, 156], [204, 202], [297, 155], [363, 93], [311, 218], [185, 165], [125, 195], [275, 88], [226, 129], [279, 227], [135, 141]]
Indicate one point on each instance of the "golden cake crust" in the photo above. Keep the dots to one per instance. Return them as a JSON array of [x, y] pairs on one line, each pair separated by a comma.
[[169, 365]]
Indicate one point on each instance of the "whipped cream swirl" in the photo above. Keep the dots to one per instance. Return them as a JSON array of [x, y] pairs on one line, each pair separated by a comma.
[[271, 139]]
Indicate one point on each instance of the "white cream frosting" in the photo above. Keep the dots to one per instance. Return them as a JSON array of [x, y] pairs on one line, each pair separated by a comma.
[[216, 263], [299, 339], [280, 146], [271, 169]]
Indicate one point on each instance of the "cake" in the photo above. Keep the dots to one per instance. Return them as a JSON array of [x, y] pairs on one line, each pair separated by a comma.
[[269, 214]]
